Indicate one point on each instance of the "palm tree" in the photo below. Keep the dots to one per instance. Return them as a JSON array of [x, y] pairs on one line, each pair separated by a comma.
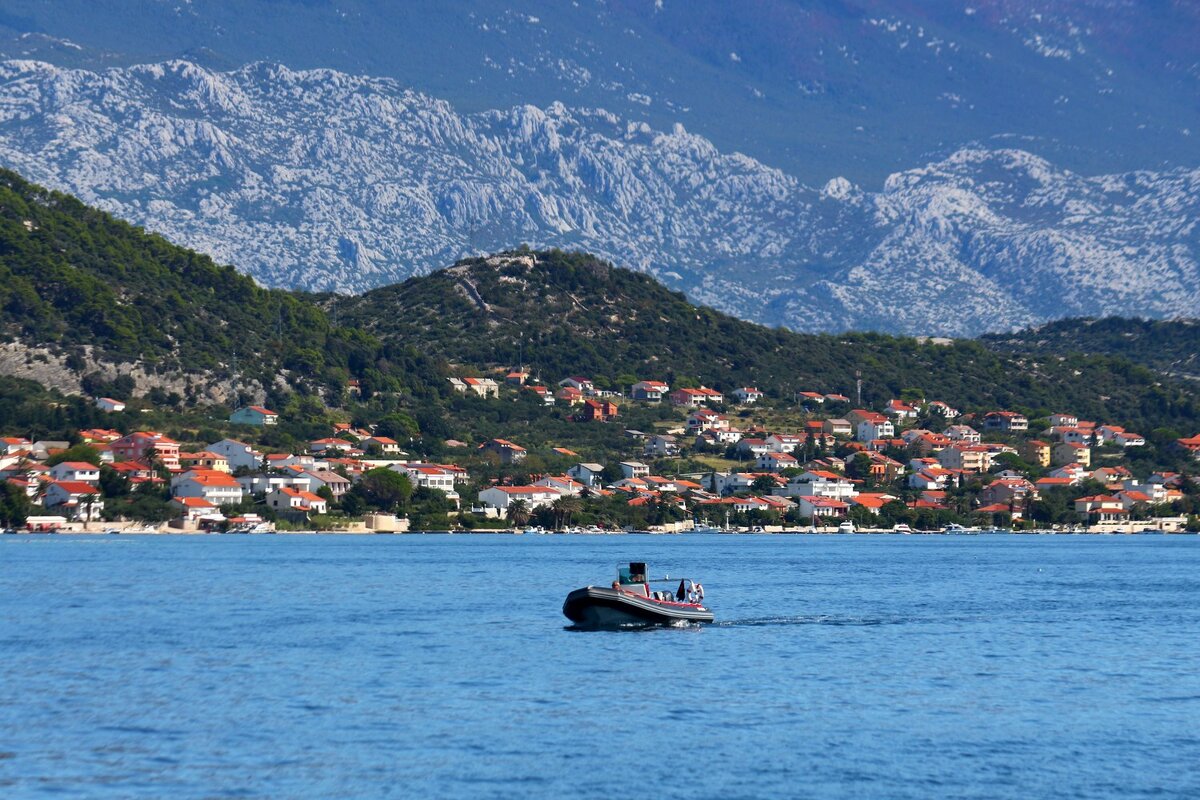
[[564, 507], [518, 512], [89, 501]]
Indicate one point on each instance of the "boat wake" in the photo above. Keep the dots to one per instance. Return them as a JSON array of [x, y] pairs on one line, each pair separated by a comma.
[[813, 619]]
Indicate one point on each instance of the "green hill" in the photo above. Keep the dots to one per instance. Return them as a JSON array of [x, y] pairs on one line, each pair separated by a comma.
[[1169, 346], [85, 297], [568, 313], [72, 276]]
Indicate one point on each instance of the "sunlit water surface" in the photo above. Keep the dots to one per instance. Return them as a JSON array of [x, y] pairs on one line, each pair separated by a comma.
[[406, 666]]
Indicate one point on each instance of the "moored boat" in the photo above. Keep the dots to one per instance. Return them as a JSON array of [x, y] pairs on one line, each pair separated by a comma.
[[630, 601]]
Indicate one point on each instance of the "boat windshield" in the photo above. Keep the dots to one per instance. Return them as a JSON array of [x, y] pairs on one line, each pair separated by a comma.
[[635, 572]]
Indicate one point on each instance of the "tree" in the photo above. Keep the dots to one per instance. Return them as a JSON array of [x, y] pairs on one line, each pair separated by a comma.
[[14, 506], [518, 512], [113, 483], [563, 508], [763, 483], [384, 489], [80, 452]]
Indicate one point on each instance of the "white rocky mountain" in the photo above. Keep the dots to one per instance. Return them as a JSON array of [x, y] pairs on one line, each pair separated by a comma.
[[326, 181]]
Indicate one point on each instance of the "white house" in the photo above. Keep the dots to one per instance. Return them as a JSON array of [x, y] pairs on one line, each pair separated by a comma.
[[239, 454], [944, 409], [79, 471], [963, 433], [753, 447], [784, 442], [431, 476], [776, 462], [501, 497], [819, 483], [218, 488], [563, 484], [254, 415], [651, 391], [578, 383], [73, 499], [386, 445], [338, 485], [634, 469], [266, 482], [748, 395], [296, 500], [193, 508], [588, 474], [662, 444], [814, 506], [109, 405], [876, 426]]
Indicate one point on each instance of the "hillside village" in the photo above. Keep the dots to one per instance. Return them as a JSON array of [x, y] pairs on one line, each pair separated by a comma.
[[732, 458]]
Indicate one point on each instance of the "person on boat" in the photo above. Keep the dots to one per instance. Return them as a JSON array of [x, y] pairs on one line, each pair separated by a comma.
[[617, 585], [683, 593], [698, 590]]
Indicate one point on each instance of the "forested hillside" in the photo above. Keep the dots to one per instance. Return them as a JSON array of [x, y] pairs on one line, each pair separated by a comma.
[[73, 277], [95, 297], [569, 313], [1169, 346]]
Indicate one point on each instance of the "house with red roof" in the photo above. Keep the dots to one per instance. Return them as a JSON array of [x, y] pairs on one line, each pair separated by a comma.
[[776, 462], [254, 415], [386, 445], [872, 502], [74, 500], [204, 460], [1101, 508], [218, 488], [296, 501], [1071, 453], [1006, 421], [145, 446], [501, 497], [650, 391], [569, 395], [695, 398], [747, 395], [75, 471], [1190, 445], [508, 452], [598, 410], [109, 405], [193, 508], [814, 507]]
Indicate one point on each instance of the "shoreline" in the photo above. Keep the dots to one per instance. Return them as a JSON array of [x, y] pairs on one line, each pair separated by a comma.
[[168, 531]]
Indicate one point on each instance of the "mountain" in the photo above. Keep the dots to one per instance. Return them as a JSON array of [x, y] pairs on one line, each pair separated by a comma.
[[88, 302], [818, 88], [332, 182], [1170, 346]]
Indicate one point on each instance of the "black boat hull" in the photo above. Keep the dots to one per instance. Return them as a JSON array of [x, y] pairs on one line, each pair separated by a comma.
[[597, 607]]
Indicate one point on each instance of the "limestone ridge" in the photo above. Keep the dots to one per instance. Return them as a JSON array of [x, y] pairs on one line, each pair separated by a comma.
[[327, 181]]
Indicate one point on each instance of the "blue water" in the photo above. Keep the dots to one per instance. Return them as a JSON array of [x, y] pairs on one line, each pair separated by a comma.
[[407, 666]]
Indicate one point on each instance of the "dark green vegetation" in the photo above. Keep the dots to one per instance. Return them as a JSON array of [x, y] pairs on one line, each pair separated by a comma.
[[571, 314], [73, 277], [1168, 346]]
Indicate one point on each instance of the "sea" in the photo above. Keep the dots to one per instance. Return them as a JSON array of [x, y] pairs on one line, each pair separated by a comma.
[[310, 666]]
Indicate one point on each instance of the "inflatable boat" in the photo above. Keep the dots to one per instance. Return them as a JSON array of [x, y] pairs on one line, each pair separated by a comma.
[[631, 601]]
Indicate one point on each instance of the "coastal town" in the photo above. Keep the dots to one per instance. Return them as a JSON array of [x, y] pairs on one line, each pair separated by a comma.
[[715, 459]]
